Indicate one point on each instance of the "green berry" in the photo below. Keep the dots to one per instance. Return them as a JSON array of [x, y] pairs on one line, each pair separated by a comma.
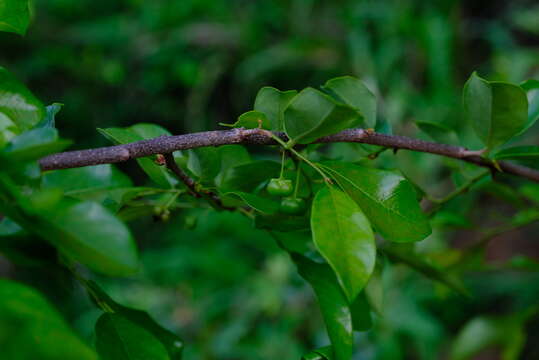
[[280, 187], [293, 206]]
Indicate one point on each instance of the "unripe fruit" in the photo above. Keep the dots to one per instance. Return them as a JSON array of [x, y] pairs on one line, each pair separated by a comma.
[[280, 187], [293, 206]]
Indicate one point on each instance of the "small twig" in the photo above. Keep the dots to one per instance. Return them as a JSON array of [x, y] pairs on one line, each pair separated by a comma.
[[458, 191], [191, 184], [188, 181]]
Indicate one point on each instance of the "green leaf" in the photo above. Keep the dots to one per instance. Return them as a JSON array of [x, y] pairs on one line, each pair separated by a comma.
[[33, 329], [353, 92], [248, 177], [172, 342], [438, 132], [50, 115], [251, 120], [324, 353], [149, 131], [483, 332], [34, 144], [333, 305], [532, 88], [117, 338], [14, 16], [313, 114], [361, 313], [387, 198], [19, 109], [272, 103], [205, 163], [259, 203], [343, 235], [90, 234], [423, 266], [87, 178], [159, 174], [518, 153], [498, 111]]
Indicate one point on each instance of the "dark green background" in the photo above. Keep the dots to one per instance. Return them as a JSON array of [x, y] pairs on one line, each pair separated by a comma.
[[188, 65]]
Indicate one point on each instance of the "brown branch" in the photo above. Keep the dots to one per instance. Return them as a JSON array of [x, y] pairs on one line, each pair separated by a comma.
[[168, 144], [191, 184]]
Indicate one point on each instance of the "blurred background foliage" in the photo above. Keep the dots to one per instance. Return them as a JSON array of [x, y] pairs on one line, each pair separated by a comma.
[[188, 65]]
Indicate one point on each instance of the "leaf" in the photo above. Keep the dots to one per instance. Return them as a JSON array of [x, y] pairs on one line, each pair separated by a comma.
[[532, 88], [117, 338], [248, 177], [483, 332], [313, 114], [324, 353], [361, 313], [272, 103], [251, 120], [387, 198], [14, 16], [90, 234], [333, 305], [259, 203], [104, 176], [159, 174], [438, 132], [171, 341], [421, 265], [34, 144], [50, 115], [205, 163], [33, 329], [353, 92], [19, 109], [498, 111], [343, 235], [518, 153]]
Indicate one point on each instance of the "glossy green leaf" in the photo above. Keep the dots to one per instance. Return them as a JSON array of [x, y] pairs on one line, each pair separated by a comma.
[[117, 338], [34, 144], [158, 173], [484, 332], [313, 114], [50, 115], [248, 177], [231, 155], [172, 342], [353, 92], [361, 313], [387, 198], [90, 234], [14, 16], [438, 132], [251, 120], [343, 235], [19, 109], [205, 163], [33, 329], [87, 178], [425, 267], [532, 88], [498, 111], [333, 304], [259, 203], [325, 353], [518, 153], [272, 103]]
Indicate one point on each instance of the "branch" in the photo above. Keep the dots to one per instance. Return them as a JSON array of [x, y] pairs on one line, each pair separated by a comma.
[[168, 144], [191, 184]]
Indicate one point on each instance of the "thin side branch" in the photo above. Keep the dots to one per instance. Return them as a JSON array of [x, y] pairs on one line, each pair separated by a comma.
[[168, 144], [191, 184]]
